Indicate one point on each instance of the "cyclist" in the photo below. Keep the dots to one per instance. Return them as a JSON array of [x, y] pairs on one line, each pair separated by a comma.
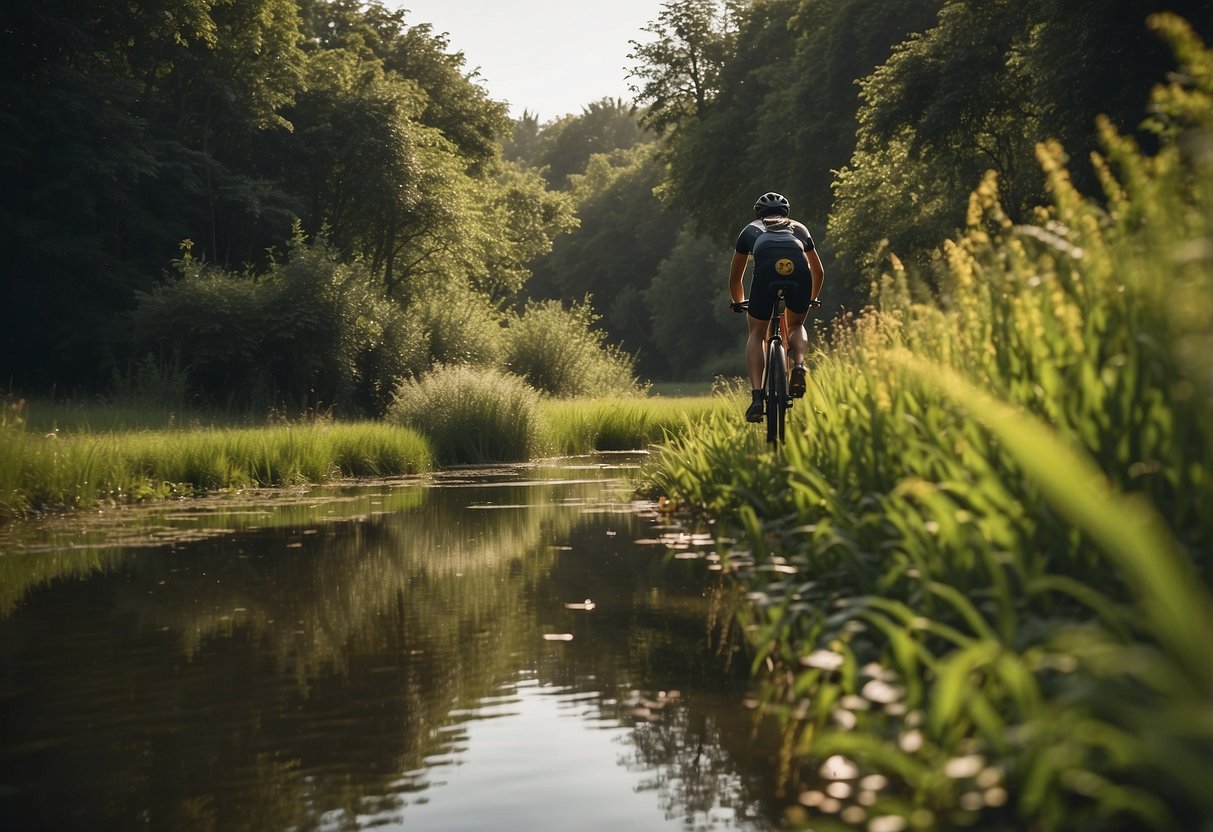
[[783, 250]]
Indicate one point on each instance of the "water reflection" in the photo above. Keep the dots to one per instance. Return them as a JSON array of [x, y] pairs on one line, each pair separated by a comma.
[[372, 656]]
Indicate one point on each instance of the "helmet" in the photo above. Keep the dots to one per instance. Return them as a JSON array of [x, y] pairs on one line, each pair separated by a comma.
[[771, 203]]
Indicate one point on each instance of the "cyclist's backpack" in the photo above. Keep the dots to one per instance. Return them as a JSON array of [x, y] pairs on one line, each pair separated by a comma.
[[777, 238]]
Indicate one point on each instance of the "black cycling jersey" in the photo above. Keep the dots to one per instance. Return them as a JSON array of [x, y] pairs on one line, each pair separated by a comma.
[[794, 233], [779, 254]]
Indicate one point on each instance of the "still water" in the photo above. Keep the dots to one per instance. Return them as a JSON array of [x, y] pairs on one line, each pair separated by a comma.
[[494, 649]]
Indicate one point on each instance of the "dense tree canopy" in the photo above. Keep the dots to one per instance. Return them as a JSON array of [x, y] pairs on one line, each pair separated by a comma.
[[242, 128], [883, 116], [131, 127]]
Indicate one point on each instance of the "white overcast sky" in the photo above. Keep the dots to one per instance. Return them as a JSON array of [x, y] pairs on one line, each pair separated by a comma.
[[551, 57]]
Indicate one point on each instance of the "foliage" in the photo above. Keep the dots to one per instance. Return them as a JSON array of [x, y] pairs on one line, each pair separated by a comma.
[[692, 326], [625, 233], [976, 92], [559, 351], [455, 326], [784, 114], [980, 570], [129, 128], [620, 423], [564, 146], [471, 414], [948, 90], [678, 70], [312, 331]]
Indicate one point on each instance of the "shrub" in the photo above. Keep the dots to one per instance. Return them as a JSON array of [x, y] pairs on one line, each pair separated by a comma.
[[558, 351], [456, 326], [472, 415], [311, 331]]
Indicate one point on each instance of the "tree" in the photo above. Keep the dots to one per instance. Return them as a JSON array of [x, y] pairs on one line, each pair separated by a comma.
[[976, 93], [625, 233], [602, 126], [784, 115], [693, 330], [129, 127], [947, 106], [679, 71], [523, 144]]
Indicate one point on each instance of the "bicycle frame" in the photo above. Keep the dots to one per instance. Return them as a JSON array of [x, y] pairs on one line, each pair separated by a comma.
[[775, 374], [776, 399]]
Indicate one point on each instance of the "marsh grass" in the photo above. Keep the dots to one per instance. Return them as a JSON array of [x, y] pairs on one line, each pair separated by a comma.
[[980, 570], [75, 470], [578, 426], [561, 352], [454, 415], [475, 415], [471, 414]]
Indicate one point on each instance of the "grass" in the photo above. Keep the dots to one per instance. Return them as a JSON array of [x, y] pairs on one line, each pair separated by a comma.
[[577, 426], [95, 455], [686, 389], [980, 568], [74, 470]]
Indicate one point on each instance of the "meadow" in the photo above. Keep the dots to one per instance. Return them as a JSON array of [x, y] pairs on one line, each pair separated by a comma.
[[979, 571]]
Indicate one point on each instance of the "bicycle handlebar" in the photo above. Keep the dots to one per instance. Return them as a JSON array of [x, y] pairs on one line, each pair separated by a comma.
[[742, 306]]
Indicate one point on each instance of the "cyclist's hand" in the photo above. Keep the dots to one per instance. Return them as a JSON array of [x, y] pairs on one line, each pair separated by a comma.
[[815, 303], [739, 305]]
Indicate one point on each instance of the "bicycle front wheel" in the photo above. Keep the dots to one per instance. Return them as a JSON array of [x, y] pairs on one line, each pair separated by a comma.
[[776, 393]]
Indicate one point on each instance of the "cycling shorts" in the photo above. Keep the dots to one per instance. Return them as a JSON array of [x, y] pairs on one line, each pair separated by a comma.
[[780, 264]]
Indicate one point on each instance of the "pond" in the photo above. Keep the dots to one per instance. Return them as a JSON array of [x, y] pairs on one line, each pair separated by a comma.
[[502, 648]]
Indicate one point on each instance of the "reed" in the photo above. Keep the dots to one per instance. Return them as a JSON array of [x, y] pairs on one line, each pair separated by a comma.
[[979, 570]]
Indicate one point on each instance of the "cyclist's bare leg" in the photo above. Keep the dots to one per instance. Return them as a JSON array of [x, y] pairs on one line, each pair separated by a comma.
[[755, 350], [798, 338], [798, 344]]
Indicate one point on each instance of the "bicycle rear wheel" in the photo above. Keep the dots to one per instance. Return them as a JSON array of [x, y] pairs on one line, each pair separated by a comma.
[[776, 392]]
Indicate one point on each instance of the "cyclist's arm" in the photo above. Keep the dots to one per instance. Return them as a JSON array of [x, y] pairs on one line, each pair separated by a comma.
[[736, 272], [819, 272]]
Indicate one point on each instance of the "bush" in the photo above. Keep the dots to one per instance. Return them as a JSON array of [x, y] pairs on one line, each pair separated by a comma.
[[456, 326], [312, 331], [472, 415], [559, 351]]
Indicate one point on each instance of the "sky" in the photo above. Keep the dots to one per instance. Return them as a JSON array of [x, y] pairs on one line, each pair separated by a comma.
[[551, 57]]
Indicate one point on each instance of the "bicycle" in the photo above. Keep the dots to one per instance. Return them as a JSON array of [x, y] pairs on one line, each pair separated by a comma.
[[776, 400]]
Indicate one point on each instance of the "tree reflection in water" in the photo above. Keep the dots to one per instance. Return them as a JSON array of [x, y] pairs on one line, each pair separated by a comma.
[[313, 672]]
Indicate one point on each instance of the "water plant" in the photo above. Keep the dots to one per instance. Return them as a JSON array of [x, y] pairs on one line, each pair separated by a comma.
[[609, 423]]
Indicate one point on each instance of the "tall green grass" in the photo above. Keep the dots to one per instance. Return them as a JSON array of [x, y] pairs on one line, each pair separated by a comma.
[[471, 414], [578, 426], [453, 415], [475, 414], [75, 470], [980, 569]]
